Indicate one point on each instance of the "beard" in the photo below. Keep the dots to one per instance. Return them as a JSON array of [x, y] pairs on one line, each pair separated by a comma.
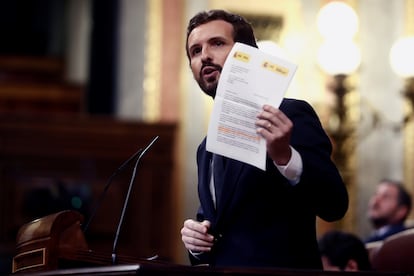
[[379, 222], [209, 84], [208, 88]]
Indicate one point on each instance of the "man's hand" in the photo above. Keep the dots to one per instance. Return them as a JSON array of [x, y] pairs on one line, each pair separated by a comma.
[[274, 126], [195, 236]]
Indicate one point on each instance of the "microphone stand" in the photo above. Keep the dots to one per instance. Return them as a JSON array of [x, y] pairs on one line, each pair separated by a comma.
[[114, 259], [108, 183]]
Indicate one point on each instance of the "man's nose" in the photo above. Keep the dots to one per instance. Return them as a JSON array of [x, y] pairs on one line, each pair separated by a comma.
[[372, 201], [376, 200], [206, 54]]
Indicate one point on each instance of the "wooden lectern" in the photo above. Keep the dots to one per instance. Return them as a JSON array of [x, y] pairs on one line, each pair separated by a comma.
[[42, 242], [56, 242]]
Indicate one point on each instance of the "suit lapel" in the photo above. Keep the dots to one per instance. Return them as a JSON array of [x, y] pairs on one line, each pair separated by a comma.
[[231, 174], [204, 183], [204, 188]]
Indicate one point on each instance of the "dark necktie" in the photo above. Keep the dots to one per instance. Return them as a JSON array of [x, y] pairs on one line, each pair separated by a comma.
[[218, 174]]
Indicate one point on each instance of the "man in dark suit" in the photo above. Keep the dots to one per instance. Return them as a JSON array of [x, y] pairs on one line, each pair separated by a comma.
[[388, 209], [247, 216]]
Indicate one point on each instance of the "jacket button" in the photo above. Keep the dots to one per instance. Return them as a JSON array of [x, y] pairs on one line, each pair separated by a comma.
[[218, 237]]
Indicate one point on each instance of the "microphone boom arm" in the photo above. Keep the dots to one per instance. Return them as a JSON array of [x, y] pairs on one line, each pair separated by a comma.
[[121, 219], [108, 183]]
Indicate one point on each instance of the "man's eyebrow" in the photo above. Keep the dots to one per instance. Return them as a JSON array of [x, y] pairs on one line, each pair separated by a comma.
[[217, 38], [211, 39]]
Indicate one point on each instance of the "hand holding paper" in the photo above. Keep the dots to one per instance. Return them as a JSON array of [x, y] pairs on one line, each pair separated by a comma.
[[250, 78]]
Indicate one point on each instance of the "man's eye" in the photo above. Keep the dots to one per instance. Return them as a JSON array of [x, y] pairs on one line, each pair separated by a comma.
[[195, 51], [218, 43]]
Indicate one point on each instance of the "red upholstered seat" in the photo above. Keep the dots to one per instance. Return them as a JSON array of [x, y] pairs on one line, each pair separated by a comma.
[[395, 254]]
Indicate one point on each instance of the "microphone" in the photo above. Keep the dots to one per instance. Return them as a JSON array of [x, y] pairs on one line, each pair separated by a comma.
[[121, 219], [108, 183]]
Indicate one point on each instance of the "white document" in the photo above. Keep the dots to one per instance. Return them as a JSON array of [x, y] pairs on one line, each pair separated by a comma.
[[250, 78]]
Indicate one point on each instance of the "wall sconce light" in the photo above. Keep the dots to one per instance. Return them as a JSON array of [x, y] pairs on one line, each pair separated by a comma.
[[402, 63], [338, 23], [338, 57], [337, 20]]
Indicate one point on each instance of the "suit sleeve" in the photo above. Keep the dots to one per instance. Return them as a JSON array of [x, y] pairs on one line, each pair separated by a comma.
[[321, 187]]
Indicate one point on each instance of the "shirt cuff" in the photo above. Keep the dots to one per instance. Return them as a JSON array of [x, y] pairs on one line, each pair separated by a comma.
[[293, 169]]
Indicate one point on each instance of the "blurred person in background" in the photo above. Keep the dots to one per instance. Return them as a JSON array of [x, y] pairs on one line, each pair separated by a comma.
[[388, 210]]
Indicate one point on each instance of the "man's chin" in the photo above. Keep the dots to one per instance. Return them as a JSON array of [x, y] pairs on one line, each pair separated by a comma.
[[209, 90], [211, 93], [378, 222]]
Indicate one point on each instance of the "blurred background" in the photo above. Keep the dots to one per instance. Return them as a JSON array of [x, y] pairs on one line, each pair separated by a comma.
[[86, 83]]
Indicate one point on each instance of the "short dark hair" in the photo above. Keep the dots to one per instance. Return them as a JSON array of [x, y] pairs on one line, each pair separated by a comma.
[[242, 30], [340, 247], [404, 197]]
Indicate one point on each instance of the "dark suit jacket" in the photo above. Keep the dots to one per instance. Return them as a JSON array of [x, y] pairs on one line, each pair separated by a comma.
[[391, 230], [261, 219]]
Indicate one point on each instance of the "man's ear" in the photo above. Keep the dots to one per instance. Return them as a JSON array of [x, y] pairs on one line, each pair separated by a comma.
[[352, 265], [402, 213]]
